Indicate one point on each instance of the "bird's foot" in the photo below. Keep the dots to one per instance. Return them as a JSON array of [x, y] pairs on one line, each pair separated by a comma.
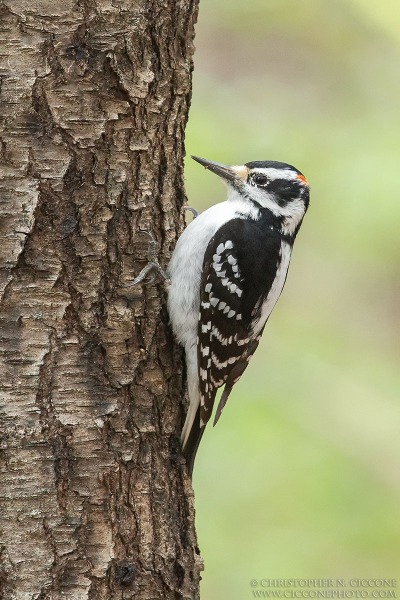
[[153, 267]]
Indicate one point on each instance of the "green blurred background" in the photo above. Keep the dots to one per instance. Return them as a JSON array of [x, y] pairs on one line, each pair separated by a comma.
[[301, 476]]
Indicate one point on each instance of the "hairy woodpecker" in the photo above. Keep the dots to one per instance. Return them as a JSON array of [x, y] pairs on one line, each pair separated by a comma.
[[226, 273]]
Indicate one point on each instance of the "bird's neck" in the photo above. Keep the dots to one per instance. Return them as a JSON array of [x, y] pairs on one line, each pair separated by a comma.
[[266, 218]]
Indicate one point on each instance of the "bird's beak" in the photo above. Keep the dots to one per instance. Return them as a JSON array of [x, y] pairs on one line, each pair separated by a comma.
[[230, 174]]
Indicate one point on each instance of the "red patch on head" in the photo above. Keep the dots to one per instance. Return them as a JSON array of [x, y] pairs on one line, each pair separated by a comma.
[[302, 178]]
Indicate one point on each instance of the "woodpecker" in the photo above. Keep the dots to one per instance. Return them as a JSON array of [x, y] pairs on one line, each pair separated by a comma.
[[226, 274]]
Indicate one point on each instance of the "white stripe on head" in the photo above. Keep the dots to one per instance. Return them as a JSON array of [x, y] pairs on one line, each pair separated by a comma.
[[273, 173]]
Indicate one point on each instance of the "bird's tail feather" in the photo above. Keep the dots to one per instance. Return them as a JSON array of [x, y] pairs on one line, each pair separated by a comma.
[[193, 411], [193, 438], [192, 431], [193, 390], [222, 402]]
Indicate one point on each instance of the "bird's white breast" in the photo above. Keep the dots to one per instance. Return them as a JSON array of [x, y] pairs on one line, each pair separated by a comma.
[[185, 270]]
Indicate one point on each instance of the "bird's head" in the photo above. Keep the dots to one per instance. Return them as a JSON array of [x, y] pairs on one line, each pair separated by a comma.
[[275, 186]]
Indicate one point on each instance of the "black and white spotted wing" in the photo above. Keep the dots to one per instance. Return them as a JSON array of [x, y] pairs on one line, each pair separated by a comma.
[[237, 276]]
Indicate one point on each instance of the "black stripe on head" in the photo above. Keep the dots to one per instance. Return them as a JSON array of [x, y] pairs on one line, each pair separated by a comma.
[[285, 191], [271, 164]]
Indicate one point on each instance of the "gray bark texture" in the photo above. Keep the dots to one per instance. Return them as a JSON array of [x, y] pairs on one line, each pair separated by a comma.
[[95, 501]]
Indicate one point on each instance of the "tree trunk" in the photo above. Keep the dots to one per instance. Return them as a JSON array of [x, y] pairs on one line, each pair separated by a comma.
[[95, 498]]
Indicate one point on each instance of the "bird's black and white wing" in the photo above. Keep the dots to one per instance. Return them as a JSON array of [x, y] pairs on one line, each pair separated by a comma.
[[225, 343], [236, 281]]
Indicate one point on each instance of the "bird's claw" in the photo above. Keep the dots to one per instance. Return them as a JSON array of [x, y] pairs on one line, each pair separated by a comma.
[[153, 267], [190, 209]]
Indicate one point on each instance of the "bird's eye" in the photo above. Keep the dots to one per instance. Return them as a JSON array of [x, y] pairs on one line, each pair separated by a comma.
[[259, 179]]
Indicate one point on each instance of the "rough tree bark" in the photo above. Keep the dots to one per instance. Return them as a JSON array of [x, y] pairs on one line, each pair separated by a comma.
[[94, 497]]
